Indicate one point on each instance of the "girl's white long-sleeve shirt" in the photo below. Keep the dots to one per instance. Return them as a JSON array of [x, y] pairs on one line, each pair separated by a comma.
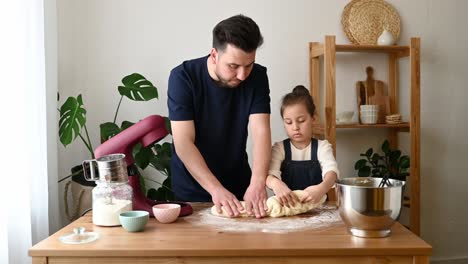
[[324, 155]]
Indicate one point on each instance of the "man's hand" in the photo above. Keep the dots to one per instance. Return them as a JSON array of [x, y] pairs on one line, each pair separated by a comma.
[[285, 196], [223, 198], [255, 199]]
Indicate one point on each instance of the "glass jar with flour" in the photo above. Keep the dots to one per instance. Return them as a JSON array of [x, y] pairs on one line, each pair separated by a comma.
[[112, 194]]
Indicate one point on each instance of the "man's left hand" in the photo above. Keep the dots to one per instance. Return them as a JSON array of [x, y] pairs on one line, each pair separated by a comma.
[[255, 199]]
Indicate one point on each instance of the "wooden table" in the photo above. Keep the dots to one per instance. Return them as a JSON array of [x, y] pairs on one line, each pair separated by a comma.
[[184, 242]]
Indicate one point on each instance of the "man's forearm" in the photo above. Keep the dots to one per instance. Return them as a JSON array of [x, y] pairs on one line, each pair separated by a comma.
[[261, 150]]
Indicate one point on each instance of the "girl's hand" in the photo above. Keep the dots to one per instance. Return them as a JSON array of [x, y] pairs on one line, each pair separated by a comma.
[[285, 196], [314, 194]]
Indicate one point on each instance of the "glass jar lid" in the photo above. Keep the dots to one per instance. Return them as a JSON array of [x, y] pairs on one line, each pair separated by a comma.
[[79, 236]]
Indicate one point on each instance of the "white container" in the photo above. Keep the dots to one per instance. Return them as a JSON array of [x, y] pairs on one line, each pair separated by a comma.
[[369, 107], [369, 114], [112, 194], [369, 117], [344, 117], [385, 39]]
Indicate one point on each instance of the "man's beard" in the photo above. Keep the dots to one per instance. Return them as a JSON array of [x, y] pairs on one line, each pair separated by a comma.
[[225, 84]]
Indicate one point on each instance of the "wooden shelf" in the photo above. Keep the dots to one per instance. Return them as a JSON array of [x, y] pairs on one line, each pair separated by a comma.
[[325, 53], [400, 50], [317, 49], [400, 125], [319, 129]]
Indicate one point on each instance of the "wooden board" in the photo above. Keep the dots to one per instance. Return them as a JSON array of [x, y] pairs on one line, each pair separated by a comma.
[[372, 91], [383, 101]]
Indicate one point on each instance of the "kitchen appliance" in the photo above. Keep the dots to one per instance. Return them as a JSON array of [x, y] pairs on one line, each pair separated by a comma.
[[148, 131]]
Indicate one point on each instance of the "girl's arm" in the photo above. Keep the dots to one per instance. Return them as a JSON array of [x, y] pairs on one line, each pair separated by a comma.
[[316, 192], [328, 164], [283, 193]]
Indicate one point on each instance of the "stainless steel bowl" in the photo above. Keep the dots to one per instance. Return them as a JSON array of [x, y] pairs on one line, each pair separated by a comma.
[[367, 209]]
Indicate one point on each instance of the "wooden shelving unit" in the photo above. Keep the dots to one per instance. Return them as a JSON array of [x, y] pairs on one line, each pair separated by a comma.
[[328, 127]]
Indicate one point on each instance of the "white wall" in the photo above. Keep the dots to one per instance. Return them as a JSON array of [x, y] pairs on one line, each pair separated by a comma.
[[51, 46], [99, 42]]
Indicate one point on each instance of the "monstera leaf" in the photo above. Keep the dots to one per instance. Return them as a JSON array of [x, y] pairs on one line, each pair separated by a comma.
[[110, 129], [163, 193], [72, 119], [162, 161], [138, 88]]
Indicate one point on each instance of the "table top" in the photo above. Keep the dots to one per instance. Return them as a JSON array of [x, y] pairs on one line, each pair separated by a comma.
[[196, 236]]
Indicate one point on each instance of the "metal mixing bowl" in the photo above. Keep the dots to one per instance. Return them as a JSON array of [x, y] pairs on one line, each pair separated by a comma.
[[366, 209]]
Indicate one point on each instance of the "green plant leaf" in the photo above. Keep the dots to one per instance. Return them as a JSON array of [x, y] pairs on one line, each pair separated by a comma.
[[152, 194], [108, 130], [72, 119], [404, 175], [360, 163], [162, 160], [142, 183], [394, 155], [376, 157], [138, 88], [404, 162], [369, 152], [125, 125], [364, 171], [384, 171], [392, 165], [386, 147], [167, 121], [143, 157]]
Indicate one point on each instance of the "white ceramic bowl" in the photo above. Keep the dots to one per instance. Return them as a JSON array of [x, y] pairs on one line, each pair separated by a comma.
[[166, 213], [345, 117], [369, 107], [369, 117]]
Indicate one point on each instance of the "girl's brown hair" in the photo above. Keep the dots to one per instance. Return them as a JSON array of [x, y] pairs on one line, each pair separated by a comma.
[[299, 95]]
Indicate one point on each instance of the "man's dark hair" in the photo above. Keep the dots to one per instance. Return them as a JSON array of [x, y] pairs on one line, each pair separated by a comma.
[[240, 31]]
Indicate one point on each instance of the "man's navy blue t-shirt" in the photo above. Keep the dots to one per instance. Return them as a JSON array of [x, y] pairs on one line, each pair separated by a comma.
[[221, 117]]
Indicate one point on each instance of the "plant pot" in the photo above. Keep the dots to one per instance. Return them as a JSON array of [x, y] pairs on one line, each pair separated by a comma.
[[367, 209]]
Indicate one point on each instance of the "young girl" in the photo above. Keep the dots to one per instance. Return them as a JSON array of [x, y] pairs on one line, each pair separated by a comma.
[[300, 162]]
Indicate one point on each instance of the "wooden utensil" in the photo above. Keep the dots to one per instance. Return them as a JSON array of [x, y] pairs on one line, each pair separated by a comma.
[[366, 89], [372, 91], [383, 101]]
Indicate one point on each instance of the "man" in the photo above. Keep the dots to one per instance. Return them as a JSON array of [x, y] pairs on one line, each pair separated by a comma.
[[211, 101]]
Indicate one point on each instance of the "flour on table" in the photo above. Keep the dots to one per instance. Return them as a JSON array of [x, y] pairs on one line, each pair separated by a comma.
[[320, 218]]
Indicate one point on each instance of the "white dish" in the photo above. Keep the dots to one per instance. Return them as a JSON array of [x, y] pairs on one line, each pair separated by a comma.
[[346, 123]]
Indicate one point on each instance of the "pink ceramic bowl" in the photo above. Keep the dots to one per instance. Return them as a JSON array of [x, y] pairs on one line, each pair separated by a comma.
[[166, 213]]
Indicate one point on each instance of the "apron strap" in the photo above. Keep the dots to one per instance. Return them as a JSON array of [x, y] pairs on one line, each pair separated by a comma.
[[287, 149], [313, 149]]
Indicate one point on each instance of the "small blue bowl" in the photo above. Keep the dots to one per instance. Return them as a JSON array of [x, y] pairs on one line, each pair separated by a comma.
[[134, 221]]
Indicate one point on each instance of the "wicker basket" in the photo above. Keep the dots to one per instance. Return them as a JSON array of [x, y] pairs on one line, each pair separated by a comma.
[[364, 20]]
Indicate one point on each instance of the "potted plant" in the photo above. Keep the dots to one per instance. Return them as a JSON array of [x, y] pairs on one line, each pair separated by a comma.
[[72, 125], [390, 165]]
